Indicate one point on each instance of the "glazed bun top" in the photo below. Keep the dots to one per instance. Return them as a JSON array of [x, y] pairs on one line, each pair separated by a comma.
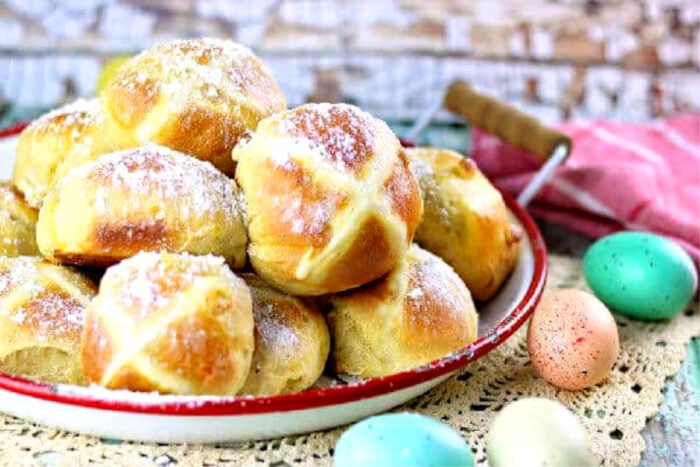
[[198, 96], [172, 323], [331, 201], [17, 224], [466, 221], [46, 299], [148, 198], [217, 71], [55, 143], [419, 312]]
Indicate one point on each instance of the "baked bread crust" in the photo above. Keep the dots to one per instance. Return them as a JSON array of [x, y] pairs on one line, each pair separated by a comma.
[[172, 323], [291, 341], [330, 198], [466, 221], [55, 143], [144, 199], [42, 309], [17, 224], [198, 96], [419, 312]]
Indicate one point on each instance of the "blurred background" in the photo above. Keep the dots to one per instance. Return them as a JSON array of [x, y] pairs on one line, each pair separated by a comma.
[[631, 60]]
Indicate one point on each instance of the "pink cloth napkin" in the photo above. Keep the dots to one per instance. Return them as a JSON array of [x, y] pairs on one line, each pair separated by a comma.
[[618, 177]]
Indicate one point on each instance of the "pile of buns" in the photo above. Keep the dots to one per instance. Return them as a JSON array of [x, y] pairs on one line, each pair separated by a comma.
[[240, 247]]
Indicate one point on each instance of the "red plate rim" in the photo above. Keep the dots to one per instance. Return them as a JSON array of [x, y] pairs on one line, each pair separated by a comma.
[[317, 397]]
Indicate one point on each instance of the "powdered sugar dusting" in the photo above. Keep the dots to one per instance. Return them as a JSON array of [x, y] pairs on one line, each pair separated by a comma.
[[342, 134], [52, 313], [421, 166], [307, 217], [415, 293], [81, 112], [209, 70], [274, 333], [148, 281], [17, 271], [17, 223], [31, 298], [302, 206], [155, 172], [434, 284], [73, 120], [8, 196]]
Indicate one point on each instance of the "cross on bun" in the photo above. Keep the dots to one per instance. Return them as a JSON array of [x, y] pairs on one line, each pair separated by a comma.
[[17, 224], [42, 308], [172, 323], [419, 312], [144, 199], [198, 96], [465, 221], [331, 201], [55, 143]]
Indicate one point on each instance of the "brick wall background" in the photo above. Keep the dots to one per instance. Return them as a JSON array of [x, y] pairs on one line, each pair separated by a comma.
[[558, 59]]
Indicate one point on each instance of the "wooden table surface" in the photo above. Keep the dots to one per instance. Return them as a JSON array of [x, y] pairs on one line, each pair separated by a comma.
[[673, 436]]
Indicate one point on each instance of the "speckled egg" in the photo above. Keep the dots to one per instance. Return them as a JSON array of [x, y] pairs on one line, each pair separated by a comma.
[[572, 339], [537, 432], [401, 439], [640, 275]]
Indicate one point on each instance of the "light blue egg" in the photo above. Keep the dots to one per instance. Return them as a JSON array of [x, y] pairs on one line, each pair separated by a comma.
[[640, 275], [401, 439]]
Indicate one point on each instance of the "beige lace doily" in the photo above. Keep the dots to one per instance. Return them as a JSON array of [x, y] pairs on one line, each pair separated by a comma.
[[613, 413]]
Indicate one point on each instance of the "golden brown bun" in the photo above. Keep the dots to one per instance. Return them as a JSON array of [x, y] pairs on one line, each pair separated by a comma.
[[172, 323], [197, 96], [291, 342], [42, 309], [55, 143], [331, 201], [144, 199], [465, 221], [17, 224], [419, 312]]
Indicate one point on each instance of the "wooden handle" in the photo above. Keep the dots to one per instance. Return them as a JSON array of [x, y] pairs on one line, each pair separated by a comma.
[[506, 122]]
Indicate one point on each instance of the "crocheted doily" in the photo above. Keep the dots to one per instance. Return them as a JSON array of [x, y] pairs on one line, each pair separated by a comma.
[[614, 412]]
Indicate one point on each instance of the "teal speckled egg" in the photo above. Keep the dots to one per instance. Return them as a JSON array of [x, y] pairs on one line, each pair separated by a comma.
[[401, 439], [640, 275]]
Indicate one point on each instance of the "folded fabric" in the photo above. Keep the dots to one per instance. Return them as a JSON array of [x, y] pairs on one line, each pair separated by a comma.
[[619, 177]]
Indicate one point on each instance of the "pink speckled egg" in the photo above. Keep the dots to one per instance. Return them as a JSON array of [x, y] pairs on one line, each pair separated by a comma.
[[572, 339]]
